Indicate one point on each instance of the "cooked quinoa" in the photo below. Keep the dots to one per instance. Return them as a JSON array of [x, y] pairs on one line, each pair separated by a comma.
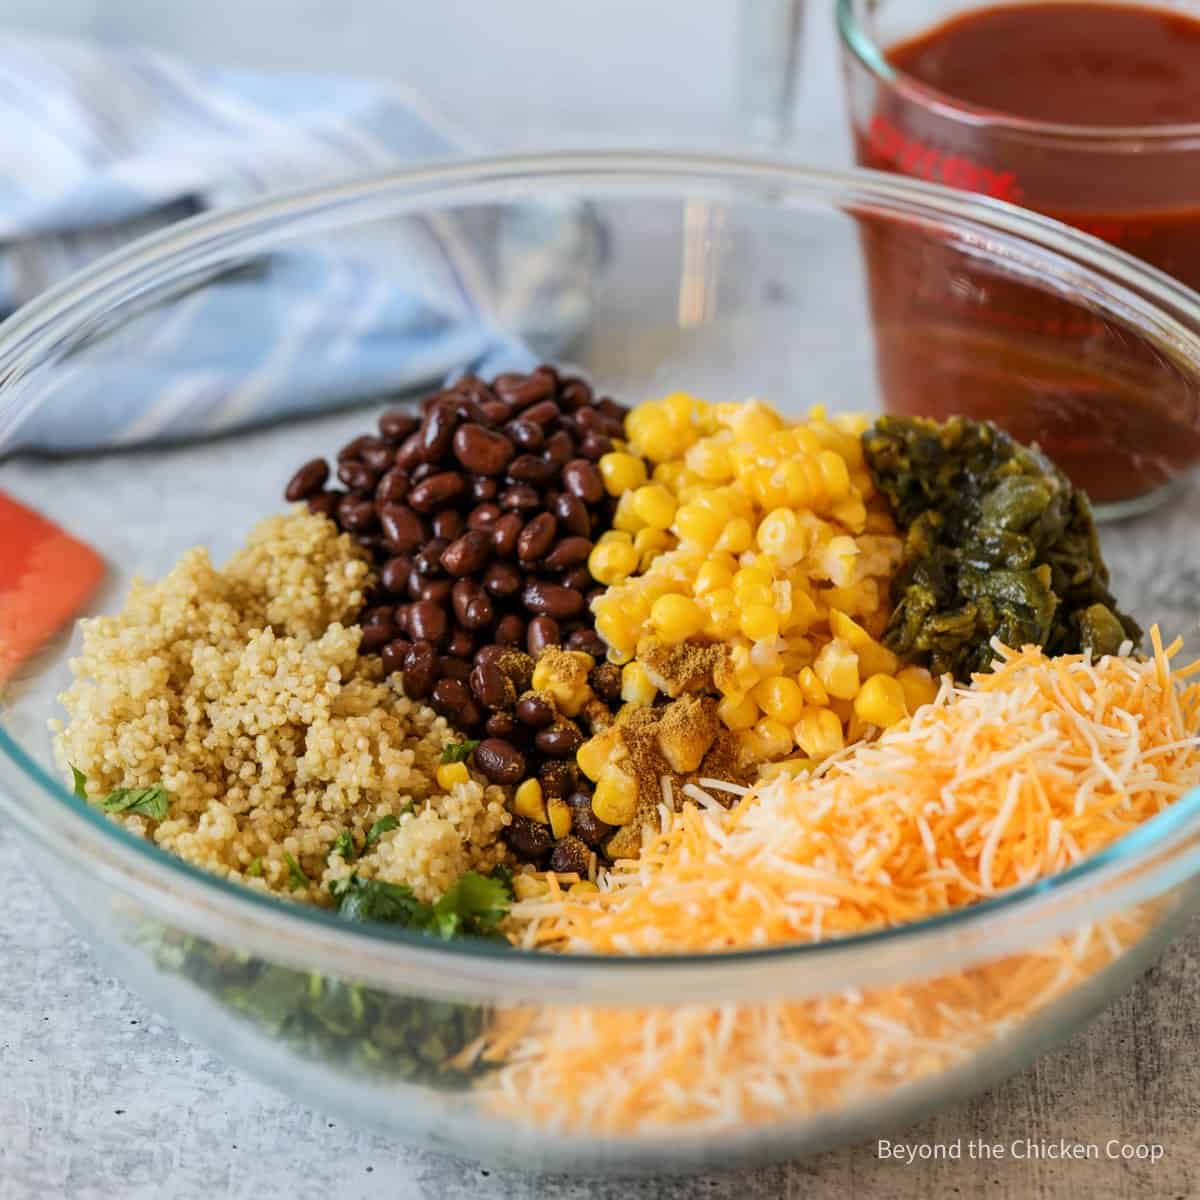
[[242, 692]]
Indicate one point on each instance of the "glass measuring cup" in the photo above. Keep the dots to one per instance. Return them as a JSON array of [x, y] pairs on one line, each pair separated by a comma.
[[1102, 408]]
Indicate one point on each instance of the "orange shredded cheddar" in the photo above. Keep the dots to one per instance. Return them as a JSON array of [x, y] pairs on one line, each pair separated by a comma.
[[1034, 767]]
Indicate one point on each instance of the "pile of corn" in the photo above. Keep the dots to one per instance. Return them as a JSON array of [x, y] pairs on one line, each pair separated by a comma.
[[767, 536]]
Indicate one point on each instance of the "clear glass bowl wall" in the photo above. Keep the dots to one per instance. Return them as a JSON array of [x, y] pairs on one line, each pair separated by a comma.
[[725, 278]]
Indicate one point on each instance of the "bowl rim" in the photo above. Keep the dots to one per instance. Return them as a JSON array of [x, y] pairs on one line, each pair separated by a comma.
[[314, 939], [1101, 139]]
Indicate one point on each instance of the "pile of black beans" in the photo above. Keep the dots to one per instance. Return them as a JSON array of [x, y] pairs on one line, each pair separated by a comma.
[[480, 513]]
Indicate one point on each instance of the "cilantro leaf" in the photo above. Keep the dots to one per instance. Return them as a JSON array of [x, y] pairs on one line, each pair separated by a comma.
[[343, 845], [296, 877], [255, 868], [454, 752], [80, 782], [474, 907], [150, 802], [373, 900], [382, 826]]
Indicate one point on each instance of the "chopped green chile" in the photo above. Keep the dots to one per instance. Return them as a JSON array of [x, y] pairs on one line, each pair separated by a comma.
[[997, 544]]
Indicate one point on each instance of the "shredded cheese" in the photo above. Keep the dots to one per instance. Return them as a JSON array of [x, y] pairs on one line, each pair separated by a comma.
[[1035, 766]]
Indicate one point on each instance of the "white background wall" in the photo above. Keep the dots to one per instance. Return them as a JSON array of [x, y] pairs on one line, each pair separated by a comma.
[[517, 72]]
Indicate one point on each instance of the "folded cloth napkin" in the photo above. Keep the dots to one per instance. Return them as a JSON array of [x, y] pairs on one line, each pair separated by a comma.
[[105, 145]]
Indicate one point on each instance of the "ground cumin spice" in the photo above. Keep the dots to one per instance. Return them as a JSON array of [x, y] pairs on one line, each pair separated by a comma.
[[682, 667]]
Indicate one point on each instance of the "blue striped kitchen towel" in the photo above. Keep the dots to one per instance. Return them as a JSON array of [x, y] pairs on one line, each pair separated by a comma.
[[102, 145]]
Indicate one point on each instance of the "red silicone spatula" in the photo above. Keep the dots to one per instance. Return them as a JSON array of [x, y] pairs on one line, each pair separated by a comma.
[[46, 577]]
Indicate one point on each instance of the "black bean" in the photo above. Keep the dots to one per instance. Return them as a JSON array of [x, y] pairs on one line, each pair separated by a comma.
[[526, 434], [325, 504], [428, 560], [518, 666], [520, 498], [495, 411], [535, 710], [605, 677], [575, 393], [403, 530], [420, 670], [409, 454], [595, 446], [560, 448], [559, 740], [447, 524], [510, 631], [536, 538], [375, 637], [570, 855], [427, 622], [528, 840], [398, 424], [570, 552], [542, 632], [356, 514], [502, 580], [505, 533], [549, 600], [393, 655], [528, 468], [435, 590], [378, 455], [572, 514], [468, 554], [585, 825], [558, 778], [461, 594], [309, 479], [484, 516], [392, 486], [461, 644], [437, 432], [579, 578], [437, 491], [357, 476], [500, 725], [353, 448], [491, 687], [481, 450], [582, 478], [523, 390], [483, 488], [541, 413], [480, 613], [454, 667], [380, 614], [499, 761], [449, 697]]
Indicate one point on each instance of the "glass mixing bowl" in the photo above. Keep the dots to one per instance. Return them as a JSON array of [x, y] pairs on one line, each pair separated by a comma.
[[723, 277]]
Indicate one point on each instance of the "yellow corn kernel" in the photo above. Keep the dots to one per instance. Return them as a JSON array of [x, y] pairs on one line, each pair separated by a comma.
[[752, 577], [653, 434], [724, 614], [616, 629], [529, 802], [709, 458], [782, 535], [696, 523], [613, 562], [559, 812], [679, 408], [737, 711], [919, 686], [838, 560], [712, 576], [851, 512], [802, 611], [529, 887], [736, 536], [787, 767], [655, 505], [615, 798], [618, 657], [819, 733], [836, 666], [448, 774], [835, 475], [780, 698], [625, 520], [677, 618], [812, 688], [880, 701], [621, 472], [873, 659], [767, 739], [650, 543], [760, 622], [594, 755], [569, 695], [636, 687]]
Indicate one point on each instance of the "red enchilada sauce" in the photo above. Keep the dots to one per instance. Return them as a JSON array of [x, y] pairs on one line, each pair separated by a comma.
[[1118, 416]]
